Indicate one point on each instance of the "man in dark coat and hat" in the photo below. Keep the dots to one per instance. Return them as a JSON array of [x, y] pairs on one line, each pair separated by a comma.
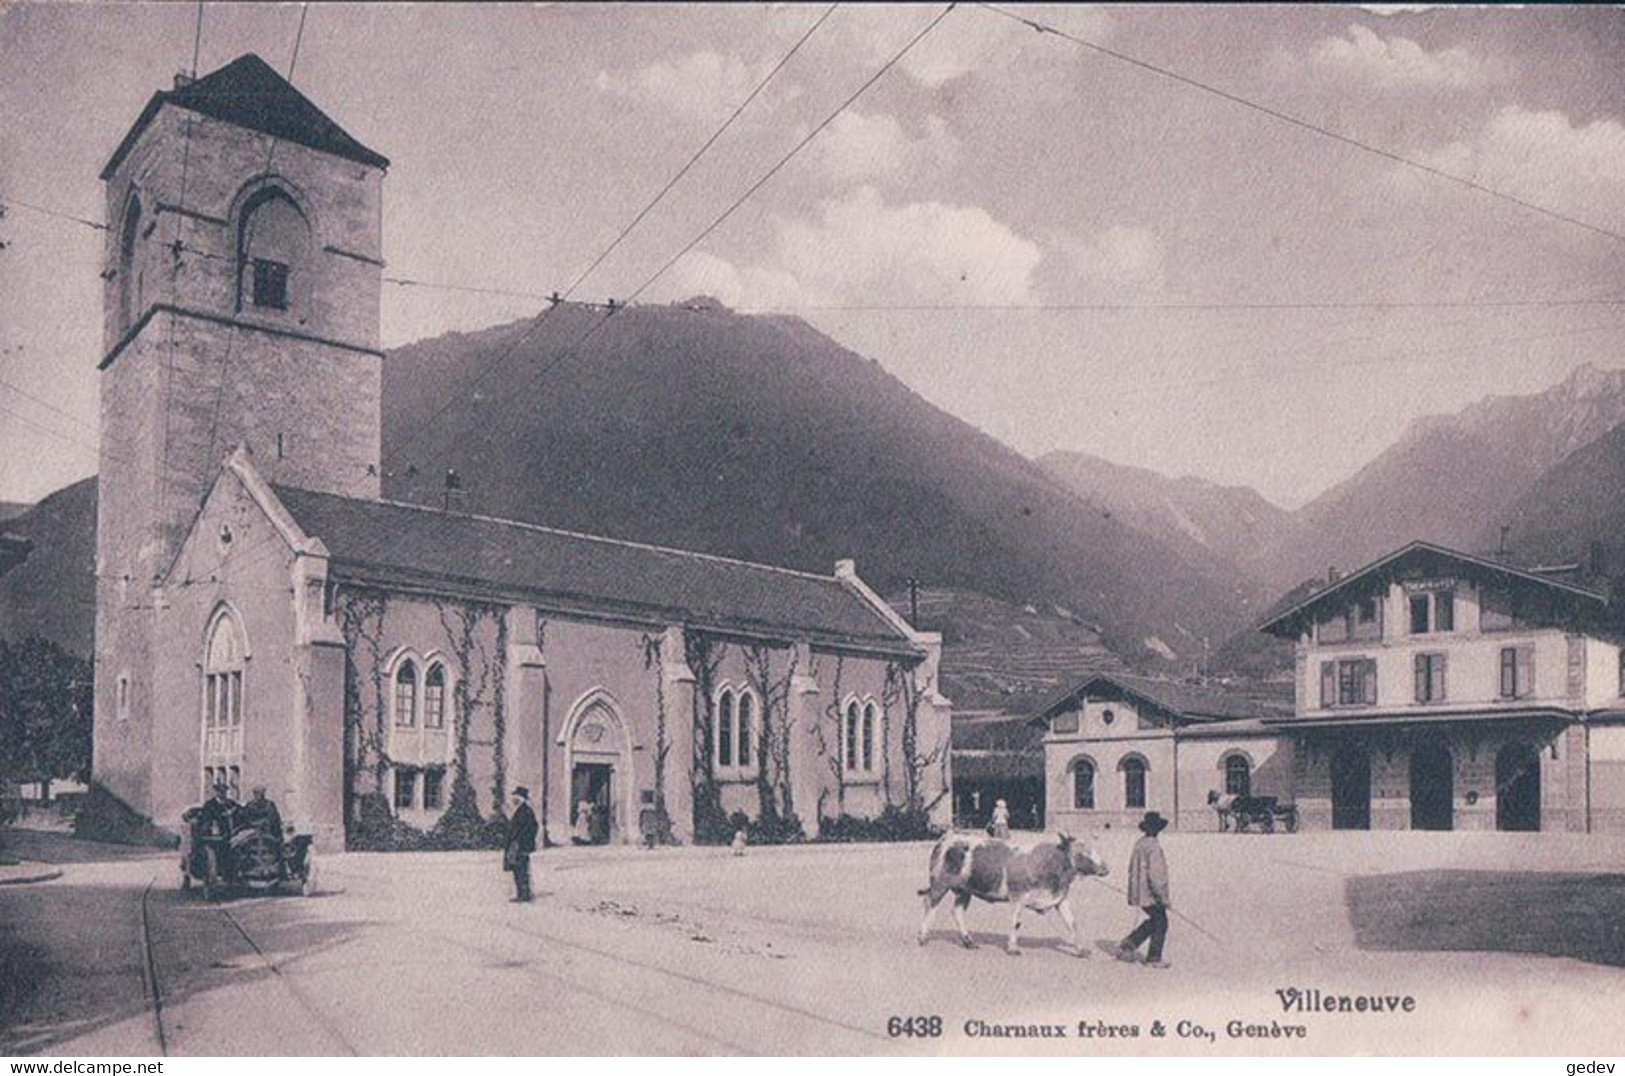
[[1148, 890], [521, 843]]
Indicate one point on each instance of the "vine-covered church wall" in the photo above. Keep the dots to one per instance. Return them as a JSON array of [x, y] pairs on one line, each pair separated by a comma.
[[426, 721]]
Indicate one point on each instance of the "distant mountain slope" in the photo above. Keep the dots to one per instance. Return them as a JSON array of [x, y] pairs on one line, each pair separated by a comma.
[[759, 437], [12, 509], [1452, 479], [1229, 527], [53, 592], [751, 437], [1004, 656], [1575, 505]]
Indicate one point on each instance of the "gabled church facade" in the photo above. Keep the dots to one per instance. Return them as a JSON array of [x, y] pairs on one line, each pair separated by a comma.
[[386, 670]]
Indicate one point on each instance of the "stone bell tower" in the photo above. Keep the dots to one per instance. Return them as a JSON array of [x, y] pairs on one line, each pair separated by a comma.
[[242, 279]]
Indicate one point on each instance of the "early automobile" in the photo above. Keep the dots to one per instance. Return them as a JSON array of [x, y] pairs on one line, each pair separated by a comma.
[[226, 851]]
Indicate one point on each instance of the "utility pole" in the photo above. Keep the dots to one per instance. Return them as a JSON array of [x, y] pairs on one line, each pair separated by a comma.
[[914, 602]]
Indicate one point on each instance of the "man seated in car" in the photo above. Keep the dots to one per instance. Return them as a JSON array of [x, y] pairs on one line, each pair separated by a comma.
[[218, 814], [261, 813]]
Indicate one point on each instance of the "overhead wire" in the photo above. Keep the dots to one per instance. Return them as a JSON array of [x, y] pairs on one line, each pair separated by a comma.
[[558, 298], [1302, 124], [592, 330]]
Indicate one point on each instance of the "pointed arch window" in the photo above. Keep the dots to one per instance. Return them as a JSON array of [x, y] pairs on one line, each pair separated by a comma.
[[405, 704], [735, 735], [850, 733], [434, 696], [725, 729], [858, 737], [224, 663], [747, 728], [868, 737]]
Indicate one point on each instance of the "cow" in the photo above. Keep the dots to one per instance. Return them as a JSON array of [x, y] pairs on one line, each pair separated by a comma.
[[995, 870]]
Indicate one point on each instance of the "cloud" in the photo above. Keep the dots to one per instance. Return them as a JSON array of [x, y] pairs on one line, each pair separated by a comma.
[[859, 249], [859, 146], [967, 41], [1398, 63], [1120, 256], [1542, 157], [703, 86]]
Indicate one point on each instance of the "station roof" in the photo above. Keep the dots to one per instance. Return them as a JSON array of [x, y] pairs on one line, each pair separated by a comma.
[[1283, 619]]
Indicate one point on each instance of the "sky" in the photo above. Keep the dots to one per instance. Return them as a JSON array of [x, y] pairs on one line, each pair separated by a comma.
[[1061, 247]]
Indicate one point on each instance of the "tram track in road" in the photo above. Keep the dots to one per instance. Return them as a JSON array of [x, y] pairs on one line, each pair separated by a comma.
[[317, 1015], [617, 1000], [162, 1005], [690, 981], [150, 985]]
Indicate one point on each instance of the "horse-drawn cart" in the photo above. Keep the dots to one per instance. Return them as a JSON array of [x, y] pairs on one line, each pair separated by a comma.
[[1263, 813]]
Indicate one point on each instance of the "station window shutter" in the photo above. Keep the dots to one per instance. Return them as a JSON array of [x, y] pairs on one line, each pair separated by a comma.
[[1328, 683], [1371, 681]]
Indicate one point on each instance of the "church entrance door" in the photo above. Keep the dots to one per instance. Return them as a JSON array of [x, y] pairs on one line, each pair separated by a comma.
[[591, 803]]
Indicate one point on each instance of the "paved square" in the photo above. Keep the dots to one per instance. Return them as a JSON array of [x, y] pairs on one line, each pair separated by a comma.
[[812, 950]]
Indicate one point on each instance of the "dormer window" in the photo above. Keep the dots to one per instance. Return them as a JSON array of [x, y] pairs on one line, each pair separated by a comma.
[[1435, 612]]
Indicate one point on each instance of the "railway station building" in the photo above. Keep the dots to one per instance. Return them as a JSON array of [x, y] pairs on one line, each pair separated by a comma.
[[1432, 690]]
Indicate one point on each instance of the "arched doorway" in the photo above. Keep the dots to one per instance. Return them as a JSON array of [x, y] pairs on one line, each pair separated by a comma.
[[1517, 788], [1351, 787], [1432, 787], [598, 759]]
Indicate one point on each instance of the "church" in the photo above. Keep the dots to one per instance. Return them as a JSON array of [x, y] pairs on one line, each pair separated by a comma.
[[390, 672]]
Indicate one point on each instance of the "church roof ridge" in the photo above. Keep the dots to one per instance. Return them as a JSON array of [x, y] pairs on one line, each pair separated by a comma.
[[406, 542], [565, 532]]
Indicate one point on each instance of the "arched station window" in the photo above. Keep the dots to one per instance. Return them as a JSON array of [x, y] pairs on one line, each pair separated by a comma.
[[1083, 785], [1238, 775], [1134, 771]]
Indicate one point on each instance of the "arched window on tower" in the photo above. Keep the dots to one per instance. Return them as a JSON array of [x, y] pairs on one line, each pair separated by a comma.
[[223, 665], [130, 277], [273, 247]]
